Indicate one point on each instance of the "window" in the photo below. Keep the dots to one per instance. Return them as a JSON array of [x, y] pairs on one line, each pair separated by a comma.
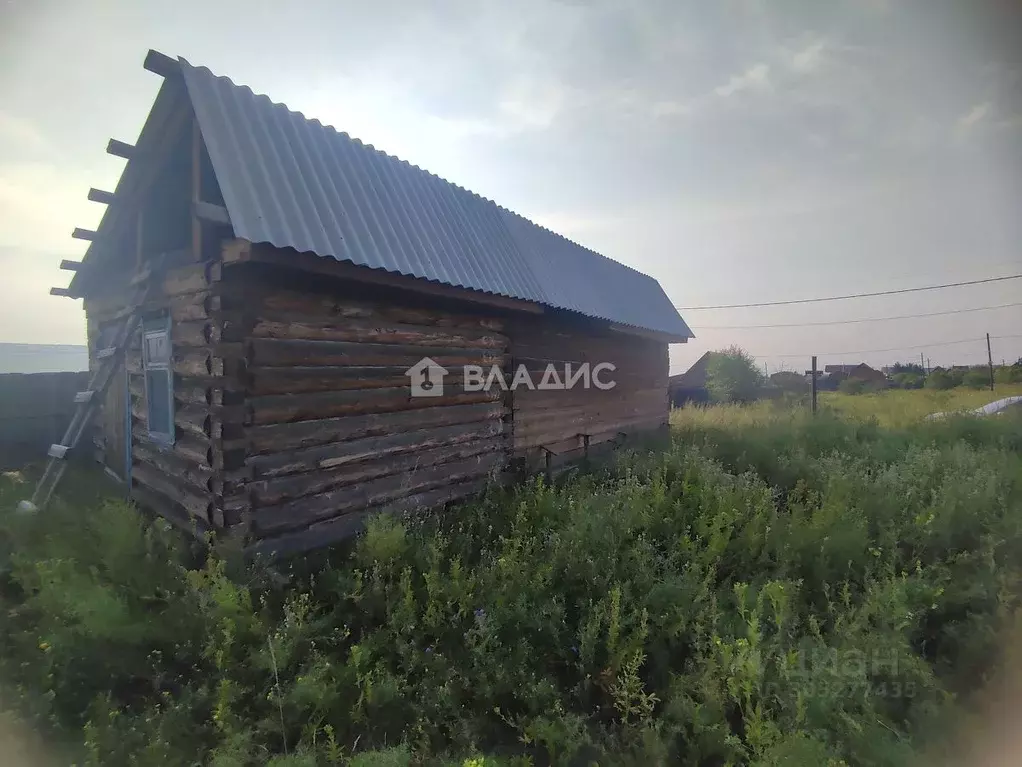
[[159, 379]]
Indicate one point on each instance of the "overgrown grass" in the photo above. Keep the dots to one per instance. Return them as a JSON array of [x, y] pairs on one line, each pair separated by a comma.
[[900, 407], [771, 589]]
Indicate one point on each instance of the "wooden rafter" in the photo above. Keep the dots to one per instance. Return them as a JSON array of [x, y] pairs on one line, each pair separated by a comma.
[[214, 214], [161, 64], [119, 149], [101, 196]]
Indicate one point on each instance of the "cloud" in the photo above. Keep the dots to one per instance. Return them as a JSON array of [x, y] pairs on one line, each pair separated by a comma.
[[974, 116], [756, 77], [39, 206], [671, 109], [532, 104], [807, 59], [22, 134], [1010, 123]]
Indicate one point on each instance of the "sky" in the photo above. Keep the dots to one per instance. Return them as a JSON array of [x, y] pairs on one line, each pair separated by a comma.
[[739, 151]]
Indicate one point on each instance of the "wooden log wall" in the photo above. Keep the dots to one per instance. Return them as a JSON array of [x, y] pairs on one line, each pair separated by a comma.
[[186, 475], [564, 421], [181, 481], [331, 431], [294, 417]]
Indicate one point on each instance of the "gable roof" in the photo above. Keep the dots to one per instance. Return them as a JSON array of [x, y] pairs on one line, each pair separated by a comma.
[[694, 377], [295, 183]]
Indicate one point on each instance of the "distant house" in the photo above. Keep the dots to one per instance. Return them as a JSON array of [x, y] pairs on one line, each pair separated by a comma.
[[835, 374], [831, 376], [690, 386], [863, 372]]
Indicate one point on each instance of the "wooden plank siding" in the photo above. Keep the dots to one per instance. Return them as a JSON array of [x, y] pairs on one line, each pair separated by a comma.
[[330, 429], [564, 421]]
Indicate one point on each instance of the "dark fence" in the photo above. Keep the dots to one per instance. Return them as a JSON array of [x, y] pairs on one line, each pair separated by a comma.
[[35, 409]]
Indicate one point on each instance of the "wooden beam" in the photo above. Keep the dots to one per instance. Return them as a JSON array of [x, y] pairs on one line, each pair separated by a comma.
[[98, 195], [61, 292], [139, 238], [119, 149], [161, 64], [310, 262], [196, 189], [71, 266], [83, 234], [214, 214]]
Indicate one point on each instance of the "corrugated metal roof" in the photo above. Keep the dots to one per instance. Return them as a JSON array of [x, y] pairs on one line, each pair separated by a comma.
[[296, 183]]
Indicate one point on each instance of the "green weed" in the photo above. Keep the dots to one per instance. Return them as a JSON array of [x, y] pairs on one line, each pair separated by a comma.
[[767, 589]]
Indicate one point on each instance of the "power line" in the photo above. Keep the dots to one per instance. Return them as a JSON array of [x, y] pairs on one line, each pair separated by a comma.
[[853, 295], [899, 349], [849, 322]]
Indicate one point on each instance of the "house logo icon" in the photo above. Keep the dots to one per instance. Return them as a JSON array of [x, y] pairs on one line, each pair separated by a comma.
[[427, 378]]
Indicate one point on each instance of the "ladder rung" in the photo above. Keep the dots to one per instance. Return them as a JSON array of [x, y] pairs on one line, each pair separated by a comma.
[[109, 351], [57, 451], [83, 396]]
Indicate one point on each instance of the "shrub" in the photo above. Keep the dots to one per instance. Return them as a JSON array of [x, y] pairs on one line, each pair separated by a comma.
[[790, 382], [910, 367], [1008, 374], [909, 380], [768, 589], [852, 386], [939, 379], [977, 379], [732, 376]]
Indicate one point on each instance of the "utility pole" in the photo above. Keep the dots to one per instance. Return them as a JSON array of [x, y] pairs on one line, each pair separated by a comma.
[[921, 363], [990, 362], [927, 368], [814, 384]]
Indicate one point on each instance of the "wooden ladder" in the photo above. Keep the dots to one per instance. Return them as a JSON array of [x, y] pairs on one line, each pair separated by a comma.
[[89, 400]]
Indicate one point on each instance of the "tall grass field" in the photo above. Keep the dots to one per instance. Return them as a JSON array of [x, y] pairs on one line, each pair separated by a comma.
[[767, 588], [901, 407]]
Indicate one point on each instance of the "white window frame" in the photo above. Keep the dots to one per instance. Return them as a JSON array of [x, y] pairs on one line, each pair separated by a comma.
[[154, 329]]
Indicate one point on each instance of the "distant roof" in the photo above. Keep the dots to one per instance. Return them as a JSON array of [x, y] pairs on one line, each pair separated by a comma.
[[694, 377], [295, 183]]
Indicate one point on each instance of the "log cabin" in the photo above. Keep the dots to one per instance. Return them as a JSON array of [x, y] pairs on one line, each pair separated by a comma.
[[288, 279]]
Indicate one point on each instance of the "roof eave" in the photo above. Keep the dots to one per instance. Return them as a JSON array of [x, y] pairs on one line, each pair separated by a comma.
[[653, 335]]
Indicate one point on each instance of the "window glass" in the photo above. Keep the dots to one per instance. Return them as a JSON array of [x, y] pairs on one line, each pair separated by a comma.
[[157, 384], [159, 380], [157, 348]]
